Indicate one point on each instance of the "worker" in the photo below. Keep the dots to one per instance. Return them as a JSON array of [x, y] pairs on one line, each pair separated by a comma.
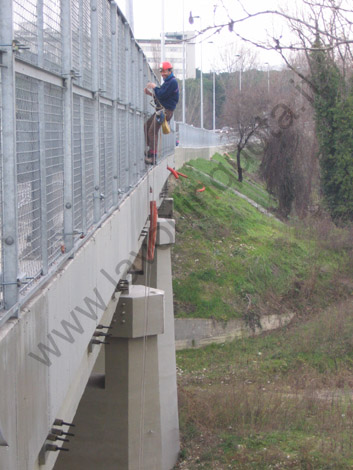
[[166, 98]]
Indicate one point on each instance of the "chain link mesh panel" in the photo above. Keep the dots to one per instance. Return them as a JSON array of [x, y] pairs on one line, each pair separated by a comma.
[[28, 176], [40, 125], [52, 36], [89, 124], [105, 48], [1, 179], [26, 28], [37, 26], [123, 151], [81, 41], [54, 157], [122, 79], [106, 160], [78, 193]]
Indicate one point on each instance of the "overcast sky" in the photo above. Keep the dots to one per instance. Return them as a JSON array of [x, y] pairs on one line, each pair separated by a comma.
[[148, 23]]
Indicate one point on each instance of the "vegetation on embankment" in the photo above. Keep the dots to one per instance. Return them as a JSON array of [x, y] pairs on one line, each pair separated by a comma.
[[282, 400], [230, 260]]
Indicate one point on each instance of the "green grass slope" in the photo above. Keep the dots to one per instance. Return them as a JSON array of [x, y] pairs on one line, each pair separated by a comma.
[[230, 260], [282, 400]]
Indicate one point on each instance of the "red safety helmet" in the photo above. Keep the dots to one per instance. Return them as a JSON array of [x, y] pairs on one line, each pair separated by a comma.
[[165, 66]]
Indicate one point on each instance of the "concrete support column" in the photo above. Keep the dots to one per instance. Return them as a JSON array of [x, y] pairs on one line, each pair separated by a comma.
[[132, 379], [159, 275]]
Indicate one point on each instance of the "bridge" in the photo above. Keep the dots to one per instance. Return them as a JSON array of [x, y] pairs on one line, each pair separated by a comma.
[[86, 318]]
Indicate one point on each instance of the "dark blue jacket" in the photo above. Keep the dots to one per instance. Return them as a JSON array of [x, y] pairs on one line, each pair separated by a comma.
[[168, 93]]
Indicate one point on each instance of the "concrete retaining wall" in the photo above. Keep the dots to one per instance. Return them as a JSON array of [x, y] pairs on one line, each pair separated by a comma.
[[197, 332]]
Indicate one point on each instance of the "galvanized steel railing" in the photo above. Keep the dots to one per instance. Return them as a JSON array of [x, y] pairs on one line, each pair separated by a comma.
[[72, 110], [190, 136]]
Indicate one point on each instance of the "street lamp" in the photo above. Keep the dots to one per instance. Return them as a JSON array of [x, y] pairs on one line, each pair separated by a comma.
[[162, 36], [191, 21], [213, 96], [184, 65], [214, 101]]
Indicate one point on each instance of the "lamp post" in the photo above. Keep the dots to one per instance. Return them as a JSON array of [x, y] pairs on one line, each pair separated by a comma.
[[191, 21], [184, 66], [162, 36], [214, 101], [213, 95]]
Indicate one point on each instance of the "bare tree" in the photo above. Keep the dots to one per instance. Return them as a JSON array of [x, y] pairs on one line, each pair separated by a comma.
[[304, 19], [244, 113], [236, 56]]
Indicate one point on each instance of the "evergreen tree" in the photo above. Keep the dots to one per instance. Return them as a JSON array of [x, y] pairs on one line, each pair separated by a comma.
[[334, 121]]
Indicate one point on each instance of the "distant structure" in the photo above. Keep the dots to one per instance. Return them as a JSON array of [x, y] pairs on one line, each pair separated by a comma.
[[173, 52]]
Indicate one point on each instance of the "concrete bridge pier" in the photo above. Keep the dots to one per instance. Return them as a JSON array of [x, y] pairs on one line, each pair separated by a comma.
[[158, 274], [128, 416], [118, 421], [132, 379]]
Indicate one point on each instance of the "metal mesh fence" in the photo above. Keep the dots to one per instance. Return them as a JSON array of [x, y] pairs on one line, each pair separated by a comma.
[[123, 151], [1, 178], [78, 194], [76, 25], [37, 27], [74, 145], [28, 176], [88, 159], [26, 28], [52, 37], [122, 78], [81, 42], [54, 158], [190, 136], [105, 165]]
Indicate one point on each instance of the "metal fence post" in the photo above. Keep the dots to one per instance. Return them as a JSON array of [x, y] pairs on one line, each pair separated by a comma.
[[9, 182], [115, 155], [128, 104], [96, 111], [42, 163], [68, 124], [83, 166], [133, 74]]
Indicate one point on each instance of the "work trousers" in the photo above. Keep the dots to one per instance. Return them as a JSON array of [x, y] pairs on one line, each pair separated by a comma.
[[151, 131]]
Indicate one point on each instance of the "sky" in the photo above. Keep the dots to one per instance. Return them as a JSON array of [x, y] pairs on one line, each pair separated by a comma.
[[148, 24]]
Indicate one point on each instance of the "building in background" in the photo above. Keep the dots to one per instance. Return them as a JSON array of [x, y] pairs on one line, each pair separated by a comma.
[[173, 53]]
